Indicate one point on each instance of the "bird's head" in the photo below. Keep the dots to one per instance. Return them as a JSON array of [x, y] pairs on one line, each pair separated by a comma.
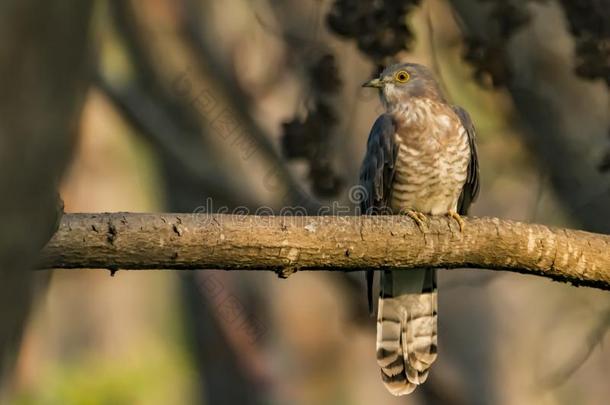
[[403, 82]]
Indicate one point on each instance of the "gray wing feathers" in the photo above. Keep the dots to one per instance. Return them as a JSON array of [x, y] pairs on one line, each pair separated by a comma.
[[377, 170]]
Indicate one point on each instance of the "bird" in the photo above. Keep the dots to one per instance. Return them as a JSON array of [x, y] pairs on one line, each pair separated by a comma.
[[420, 161]]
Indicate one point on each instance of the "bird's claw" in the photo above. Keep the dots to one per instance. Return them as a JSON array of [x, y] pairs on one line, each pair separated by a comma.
[[458, 219], [420, 219]]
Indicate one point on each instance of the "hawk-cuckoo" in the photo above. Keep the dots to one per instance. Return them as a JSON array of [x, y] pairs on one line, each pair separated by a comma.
[[420, 160]]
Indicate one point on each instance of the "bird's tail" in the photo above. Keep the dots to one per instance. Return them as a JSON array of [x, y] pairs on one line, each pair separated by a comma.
[[406, 328]]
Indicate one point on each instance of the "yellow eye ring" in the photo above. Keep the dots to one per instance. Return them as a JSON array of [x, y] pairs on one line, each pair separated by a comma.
[[402, 76]]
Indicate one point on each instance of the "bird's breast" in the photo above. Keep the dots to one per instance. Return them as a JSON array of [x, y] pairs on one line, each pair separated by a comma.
[[432, 161]]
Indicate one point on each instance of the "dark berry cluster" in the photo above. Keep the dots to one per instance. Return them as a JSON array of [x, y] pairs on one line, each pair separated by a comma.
[[488, 60], [379, 27], [487, 54], [590, 25], [310, 138]]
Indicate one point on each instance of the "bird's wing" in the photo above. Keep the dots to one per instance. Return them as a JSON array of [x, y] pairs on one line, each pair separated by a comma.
[[376, 176], [377, 170], [471, 186]]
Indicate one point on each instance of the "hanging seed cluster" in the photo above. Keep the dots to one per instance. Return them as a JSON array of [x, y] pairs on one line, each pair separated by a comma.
[[379, 27], [488, 54], [589, 23], [309, 138]]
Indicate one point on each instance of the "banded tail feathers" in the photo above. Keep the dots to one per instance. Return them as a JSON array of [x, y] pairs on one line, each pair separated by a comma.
[[406, 328]]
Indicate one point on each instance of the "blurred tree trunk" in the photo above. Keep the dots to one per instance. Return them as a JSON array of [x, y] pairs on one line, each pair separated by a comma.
[[43, 78]]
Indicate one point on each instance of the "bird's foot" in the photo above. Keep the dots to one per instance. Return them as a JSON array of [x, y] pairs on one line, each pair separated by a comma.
[[420, 219], [458, 219]]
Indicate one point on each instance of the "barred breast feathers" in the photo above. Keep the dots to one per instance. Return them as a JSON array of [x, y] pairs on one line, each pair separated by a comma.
[[432, 158]]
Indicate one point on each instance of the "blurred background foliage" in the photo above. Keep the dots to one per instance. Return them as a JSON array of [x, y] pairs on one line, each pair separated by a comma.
[[192, 106]]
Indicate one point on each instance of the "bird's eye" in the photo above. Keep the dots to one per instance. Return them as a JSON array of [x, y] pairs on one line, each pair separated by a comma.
[[402, 76]]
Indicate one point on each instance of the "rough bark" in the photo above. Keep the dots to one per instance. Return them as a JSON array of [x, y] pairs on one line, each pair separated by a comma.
[[286, 243]]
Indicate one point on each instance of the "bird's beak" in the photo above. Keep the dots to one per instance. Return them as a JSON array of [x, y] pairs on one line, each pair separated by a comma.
[[377, 83]]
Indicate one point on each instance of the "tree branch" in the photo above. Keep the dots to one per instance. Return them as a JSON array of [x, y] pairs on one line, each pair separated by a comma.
[[199, 241]]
